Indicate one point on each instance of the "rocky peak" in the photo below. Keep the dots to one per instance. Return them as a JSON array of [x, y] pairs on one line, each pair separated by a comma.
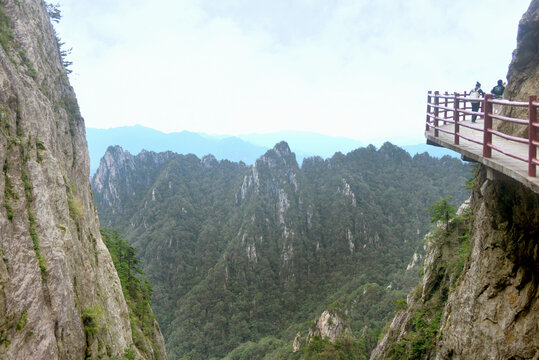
[[114, 159], [282, 149], [116, 174], [279, 156], [394, 152], [209, 161], [115, 163], [276, 173], [330, 325]]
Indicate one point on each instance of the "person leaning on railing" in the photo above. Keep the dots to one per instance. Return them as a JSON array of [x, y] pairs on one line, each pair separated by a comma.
[[476, 93]]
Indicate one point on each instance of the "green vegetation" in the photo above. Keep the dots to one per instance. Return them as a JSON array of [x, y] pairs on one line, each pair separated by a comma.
[[7, 42], [423, 328], [9, 194], [27, 186], [35, 240], [22, 321], [54, 12], [39, 144], [420, 338], [137, 290], [75, 207], [72, 109], [443, 211], [400, 304], [4, 124], [91, 317], [39, 148], [3, 254], [261, 349], [42, 262], [6, 34], [242, 259], [26, 62], [55, 15], [345, 348]]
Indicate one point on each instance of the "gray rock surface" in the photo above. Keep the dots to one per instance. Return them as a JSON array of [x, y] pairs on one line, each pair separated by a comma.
[[491, 311], [494, 313], [329, 326], [60, 295], [523, 74]]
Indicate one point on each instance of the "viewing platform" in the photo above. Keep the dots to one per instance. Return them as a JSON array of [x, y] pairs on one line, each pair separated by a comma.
[[449, 124]]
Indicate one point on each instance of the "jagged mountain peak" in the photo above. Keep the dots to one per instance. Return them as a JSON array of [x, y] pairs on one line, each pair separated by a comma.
[[279, 156], [282, 148], [394, 152], [221, 235], [209, 161]]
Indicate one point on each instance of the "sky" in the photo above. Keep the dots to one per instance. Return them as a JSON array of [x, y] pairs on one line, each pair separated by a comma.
[[353, 68]]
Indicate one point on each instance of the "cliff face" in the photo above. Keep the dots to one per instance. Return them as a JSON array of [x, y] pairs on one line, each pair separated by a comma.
[[523, 74], [60, 296], [486, 307], [494, 313]]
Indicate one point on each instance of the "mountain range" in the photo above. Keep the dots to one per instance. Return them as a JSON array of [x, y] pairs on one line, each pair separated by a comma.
[[245, 148], [243, 258]]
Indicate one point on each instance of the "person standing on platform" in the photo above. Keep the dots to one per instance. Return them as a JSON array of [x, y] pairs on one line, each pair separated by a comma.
[[476, 93], [497, 92]]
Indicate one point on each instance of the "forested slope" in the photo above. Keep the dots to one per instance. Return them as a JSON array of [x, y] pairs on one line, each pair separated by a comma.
[[248, 256]]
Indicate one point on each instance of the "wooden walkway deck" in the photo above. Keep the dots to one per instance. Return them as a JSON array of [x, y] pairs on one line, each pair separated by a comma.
[[504, 164]]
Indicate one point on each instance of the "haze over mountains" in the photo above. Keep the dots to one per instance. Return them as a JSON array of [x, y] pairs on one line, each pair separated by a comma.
[[246, 148], [268, 261]]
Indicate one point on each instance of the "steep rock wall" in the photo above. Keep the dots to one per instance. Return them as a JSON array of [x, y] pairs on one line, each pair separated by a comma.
[[60, 296], [494, 313], [490, 311], [523, 74]]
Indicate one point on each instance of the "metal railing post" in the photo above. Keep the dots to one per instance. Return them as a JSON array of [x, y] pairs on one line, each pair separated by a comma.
[[456, 116], [487, 135], [465, 107], [427, 127], [436, 112], [532, 152], [445, 110], [483, 106]]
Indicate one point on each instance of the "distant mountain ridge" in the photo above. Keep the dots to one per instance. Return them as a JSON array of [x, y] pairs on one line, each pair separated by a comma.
[[137, 138], [246, 148]]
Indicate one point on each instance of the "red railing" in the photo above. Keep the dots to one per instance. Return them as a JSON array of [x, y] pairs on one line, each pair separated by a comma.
[[456, 108]]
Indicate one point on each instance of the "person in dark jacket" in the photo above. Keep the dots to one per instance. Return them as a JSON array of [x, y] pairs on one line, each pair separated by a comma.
[[476, 93], [498, 90]]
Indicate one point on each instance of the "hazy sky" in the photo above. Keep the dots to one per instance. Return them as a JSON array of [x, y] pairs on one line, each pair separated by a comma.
[[353, 68]]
